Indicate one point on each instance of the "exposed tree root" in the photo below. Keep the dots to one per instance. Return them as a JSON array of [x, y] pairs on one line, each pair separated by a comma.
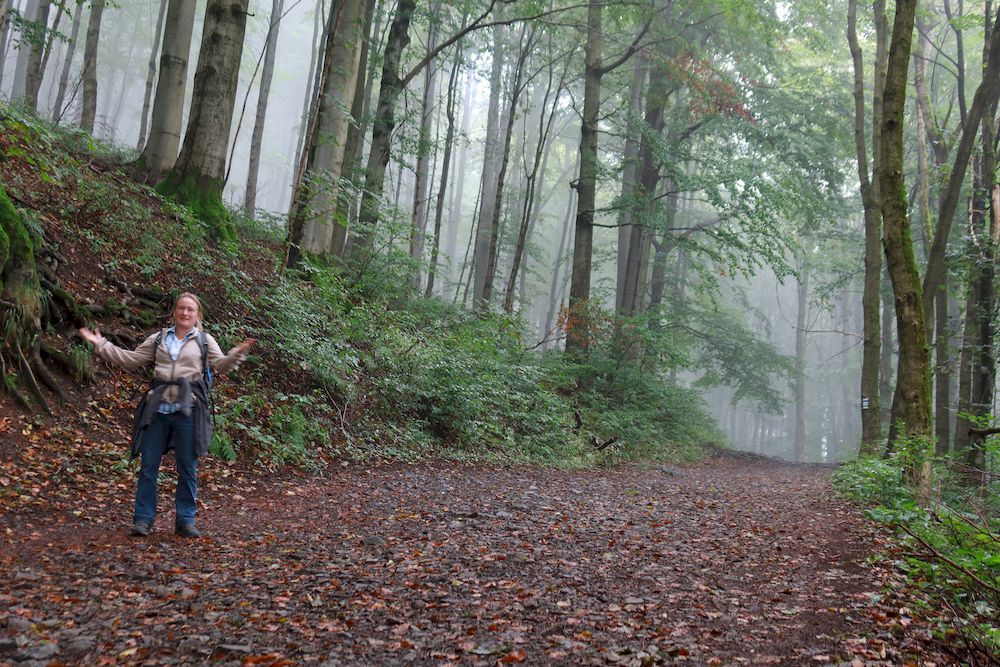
[[28, 377], [24, 359], [43, 373], [65, 361]]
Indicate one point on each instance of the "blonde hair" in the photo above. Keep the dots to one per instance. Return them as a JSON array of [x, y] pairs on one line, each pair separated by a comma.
[[188, 295]]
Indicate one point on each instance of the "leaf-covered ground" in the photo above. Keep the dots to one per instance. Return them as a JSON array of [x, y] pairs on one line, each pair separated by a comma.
[[731, 561]]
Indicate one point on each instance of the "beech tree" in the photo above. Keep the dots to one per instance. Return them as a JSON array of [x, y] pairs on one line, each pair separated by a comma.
[[313, 227], [58, 107], [151, 75], [36, 51], [871, 424], [913, 378], [89, 113], [160, 152], [270, 55], [586, 185], [197, 177]]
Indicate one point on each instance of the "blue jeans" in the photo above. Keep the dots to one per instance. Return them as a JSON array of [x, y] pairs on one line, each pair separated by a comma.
[[176, 429]]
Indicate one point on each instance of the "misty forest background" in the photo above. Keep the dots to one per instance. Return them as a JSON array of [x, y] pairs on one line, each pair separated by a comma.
[[721, 243]]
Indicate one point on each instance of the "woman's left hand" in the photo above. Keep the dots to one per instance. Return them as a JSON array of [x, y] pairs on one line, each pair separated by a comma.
[[245, 345]]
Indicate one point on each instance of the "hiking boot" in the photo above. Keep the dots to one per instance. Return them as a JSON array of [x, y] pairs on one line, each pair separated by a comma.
[[141, 529], [187, 530]]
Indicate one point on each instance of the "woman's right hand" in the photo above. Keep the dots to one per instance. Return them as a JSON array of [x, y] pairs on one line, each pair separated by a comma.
[[93, 337]]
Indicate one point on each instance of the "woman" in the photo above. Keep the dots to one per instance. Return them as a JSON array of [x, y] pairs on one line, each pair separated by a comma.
[[174, 413]]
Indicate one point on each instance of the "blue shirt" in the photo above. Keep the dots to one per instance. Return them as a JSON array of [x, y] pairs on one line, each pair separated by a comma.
[[173, 345]]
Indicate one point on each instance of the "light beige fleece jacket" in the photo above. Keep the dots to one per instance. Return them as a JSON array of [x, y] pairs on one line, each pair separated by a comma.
[[188, 364]]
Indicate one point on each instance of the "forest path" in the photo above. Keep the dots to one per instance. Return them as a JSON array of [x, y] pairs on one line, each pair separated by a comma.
[[731, 561]]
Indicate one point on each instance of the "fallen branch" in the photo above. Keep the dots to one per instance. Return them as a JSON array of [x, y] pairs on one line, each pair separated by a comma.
[[598, 443], [934, 553]]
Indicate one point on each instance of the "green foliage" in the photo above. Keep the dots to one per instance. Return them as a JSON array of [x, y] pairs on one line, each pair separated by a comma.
[[950, 551], [427, 373], [274, 434], [871, 480], [263, 226], [622, 388], [82, 361], [31, 34], [375, 372]]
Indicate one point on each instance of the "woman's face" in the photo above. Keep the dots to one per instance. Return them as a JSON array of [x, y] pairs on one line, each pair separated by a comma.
[[185, 313]]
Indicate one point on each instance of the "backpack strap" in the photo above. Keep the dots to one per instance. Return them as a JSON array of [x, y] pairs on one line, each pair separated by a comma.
[[206, 374], [203, 342], [156, 346]]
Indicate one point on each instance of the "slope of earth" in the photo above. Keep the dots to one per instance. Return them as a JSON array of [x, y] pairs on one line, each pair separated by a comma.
[[727, 562]]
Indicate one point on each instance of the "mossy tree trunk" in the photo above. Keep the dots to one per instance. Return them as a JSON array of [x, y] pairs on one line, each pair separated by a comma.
[[197, 178], [20, 305], [913, 379]]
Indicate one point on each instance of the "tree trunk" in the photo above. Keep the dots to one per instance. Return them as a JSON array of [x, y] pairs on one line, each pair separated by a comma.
[[942, 381], [644, 194], [49, 43], [385, 121], [577, 333], [421, 187], [984, 294], [527, 44], [800, 362], [20, 87], [147, 96], [984, 100], [913, 382], [657, 281], [458, 193], [18, 278], [312, 81], [196, 180], [89, 115], [491, 158], [270, 53], [316, 187], [160, 153], [630, 160], [535, 177], [356, 131], [886, 376], [5, 6], [871, 431], [20, 302], [964, 402], [554, 299], [449, 140], [36, 69], [57, 109]]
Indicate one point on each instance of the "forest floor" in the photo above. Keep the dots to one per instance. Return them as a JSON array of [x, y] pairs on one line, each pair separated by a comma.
[[734, 560]]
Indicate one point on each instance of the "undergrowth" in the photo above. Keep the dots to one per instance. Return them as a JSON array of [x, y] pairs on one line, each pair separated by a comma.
[[950, 550], [349, 361]]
